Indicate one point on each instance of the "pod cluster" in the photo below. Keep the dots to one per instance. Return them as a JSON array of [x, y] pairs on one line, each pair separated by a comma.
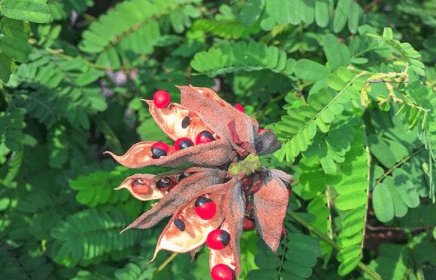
[[226, 191]]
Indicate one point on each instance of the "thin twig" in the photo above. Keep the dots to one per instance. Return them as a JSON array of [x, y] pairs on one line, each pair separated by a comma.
[[399, 164]]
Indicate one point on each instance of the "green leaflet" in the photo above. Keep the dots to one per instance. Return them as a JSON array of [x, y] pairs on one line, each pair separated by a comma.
[[139, 268], [92, 234], [394, 196], [93, 191], [302, 123], [392, 261], [132, 28], [77, 96], [224, 29], [408, 53], [228, 58], [7, 66], [337, 54], [282, 12], [29, 10], [11, 128], [301, 256], [267, 262], [306, 69], [352, 201], [251, 12]]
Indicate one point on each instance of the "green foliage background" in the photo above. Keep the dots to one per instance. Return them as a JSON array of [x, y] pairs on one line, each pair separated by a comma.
[[348, 87]]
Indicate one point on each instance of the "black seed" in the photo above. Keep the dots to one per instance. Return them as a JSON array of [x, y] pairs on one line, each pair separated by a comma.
[[184, 175], [185, 122], [163, 183], [185, 144], [158, 152], [207, 134], [179, 224], [225, 238], [202, 201]]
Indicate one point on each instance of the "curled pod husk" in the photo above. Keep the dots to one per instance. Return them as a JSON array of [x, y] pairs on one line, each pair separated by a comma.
[[202, 180], [269, 208], [215, 153]]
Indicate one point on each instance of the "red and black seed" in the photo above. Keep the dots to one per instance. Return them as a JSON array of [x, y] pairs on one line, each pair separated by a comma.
[[186, 143], [158, 152]]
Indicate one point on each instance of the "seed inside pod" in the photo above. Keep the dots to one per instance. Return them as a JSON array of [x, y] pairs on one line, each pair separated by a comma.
[[159, 149], [183, 143], [185, 122], [204, 137], [184, 175], [205, 208], [222, 272], [179, 224], [139, 187], [164, 182], [218, 239]]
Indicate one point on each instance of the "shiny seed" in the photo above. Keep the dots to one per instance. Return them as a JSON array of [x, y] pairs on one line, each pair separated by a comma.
[[179, 224], [185, 122]]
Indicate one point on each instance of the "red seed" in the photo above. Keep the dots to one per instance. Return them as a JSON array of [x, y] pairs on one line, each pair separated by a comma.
[[140, 188], [239, 107], [222, 272], [204, 137], [161, 98], [183, 143], [205, 208], [159, 149], [218, 239], [259, 130], [248, 224]]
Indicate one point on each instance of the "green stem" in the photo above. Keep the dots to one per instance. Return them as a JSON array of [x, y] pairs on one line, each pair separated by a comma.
[[166, 262], [332, 243]]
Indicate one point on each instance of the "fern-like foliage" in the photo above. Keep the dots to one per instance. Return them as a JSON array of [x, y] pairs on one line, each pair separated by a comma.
[[228, 58], [267, 261], [132, 28], [15, 31], [299, 127], [224, 29], [406, 51], [424, 10], [77, 96], [138, 268], [92, 235], [11, 129], [351, 200], [301, 255], [322, 12]]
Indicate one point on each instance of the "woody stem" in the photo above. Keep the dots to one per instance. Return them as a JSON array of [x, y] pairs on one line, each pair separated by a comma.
[[332, 243]]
